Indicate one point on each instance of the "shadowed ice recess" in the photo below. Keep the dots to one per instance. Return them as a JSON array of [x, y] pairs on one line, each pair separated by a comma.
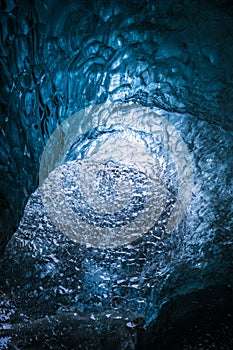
[[116, 162]]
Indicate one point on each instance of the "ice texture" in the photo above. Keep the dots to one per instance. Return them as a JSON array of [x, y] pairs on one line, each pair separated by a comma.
[[59, 57]]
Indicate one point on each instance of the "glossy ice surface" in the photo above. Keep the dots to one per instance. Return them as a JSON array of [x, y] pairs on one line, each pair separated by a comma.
[[167, 167]]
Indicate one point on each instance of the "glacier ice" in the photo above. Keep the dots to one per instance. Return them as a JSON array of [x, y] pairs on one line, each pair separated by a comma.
[[60, 58]]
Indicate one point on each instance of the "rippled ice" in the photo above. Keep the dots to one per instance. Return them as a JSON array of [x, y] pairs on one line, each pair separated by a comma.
[[58, 58], [46, 273]]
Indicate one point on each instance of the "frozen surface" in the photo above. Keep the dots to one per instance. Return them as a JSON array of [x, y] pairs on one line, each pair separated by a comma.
[[59, 57]]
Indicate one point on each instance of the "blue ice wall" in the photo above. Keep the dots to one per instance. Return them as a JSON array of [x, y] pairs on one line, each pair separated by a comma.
[[59, 57]]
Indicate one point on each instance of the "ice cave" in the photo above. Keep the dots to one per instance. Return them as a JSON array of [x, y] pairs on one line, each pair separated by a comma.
[[116, 163]]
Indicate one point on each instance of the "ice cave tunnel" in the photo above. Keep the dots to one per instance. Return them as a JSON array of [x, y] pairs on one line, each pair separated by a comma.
[[116, 163]]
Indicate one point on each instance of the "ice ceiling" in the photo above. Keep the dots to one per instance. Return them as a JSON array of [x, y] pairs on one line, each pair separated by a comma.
[[123, 113]]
